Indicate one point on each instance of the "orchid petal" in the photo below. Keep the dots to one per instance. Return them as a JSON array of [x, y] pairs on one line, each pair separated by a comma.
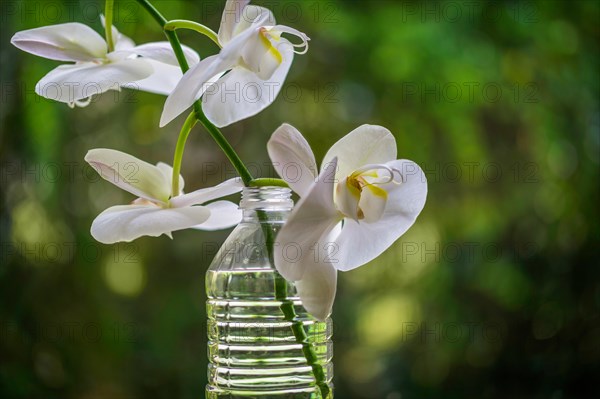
[[167, 172], [204, 195], [128, 222], [121, 41], [70, 83], [254, 51], [347, 197], [130, 173], [64, 42], [241, 94], [261, 56], [367, 144], [163, 52], [271, 62], [307, 229], [192, 85], [317, 289], [361, 242], [372, 203], [223, 215], [203, 76], [163, 80], [232, 14], [200, 77], [253, 17], [292, 158]]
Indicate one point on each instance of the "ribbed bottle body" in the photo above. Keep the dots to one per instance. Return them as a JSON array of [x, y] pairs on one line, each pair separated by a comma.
[[252, 349]]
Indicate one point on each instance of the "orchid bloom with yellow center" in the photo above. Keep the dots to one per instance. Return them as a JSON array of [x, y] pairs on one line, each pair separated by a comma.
[[248, 73], [148, 67], [157, 211], [360, 203]]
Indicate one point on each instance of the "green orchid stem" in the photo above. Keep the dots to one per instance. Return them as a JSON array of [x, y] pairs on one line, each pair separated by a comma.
[[108, 18], [224, 144], [287, 306], [212, 129], [195, 26], [177, 158], [289, 313], [153, 12], [268, 182]]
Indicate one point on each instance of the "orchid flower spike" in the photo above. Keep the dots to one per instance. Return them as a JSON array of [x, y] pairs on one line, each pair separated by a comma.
[[360, 203], [149, 67], [157, 211], [257, 58]]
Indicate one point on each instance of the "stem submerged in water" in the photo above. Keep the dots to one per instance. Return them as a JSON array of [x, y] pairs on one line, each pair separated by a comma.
[[289, 313], [287, 307]]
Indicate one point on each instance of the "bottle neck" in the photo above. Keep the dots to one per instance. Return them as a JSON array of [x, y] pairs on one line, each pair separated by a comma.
[[274, 204]]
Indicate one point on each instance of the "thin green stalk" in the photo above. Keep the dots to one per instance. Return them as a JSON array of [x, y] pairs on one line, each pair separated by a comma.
[[195, 26], [177, 158], [108, 18]]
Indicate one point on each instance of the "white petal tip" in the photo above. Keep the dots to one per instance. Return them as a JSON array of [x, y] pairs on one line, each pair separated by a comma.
[[319, 317], [221, 124], [101, 238], [163, 121], [320, 313], [167, 117]]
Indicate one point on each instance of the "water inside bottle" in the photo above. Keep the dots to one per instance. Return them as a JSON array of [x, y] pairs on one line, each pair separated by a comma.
[[252, 350]]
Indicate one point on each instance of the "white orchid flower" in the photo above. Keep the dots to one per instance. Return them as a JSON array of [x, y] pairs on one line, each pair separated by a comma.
[[257, 58], [157, 211], [149, 67], [363, 200]]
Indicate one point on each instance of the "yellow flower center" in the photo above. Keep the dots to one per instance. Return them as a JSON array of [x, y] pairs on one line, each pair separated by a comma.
[[366, 200], [263, 34]]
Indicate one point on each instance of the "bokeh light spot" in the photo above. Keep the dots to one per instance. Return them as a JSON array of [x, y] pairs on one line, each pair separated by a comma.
[[385, 322], [124, 278]]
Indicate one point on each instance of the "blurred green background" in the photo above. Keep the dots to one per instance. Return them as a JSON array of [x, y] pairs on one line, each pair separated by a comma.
[[494, 293]]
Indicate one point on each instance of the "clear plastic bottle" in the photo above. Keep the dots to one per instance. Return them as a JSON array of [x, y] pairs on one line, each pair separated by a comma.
[[256, 350]]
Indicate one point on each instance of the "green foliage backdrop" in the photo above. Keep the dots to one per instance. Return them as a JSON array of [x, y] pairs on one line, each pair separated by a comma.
[[494, 293]]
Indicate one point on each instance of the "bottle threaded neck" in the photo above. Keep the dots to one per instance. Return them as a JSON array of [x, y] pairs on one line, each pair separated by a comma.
[[269, 198]]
